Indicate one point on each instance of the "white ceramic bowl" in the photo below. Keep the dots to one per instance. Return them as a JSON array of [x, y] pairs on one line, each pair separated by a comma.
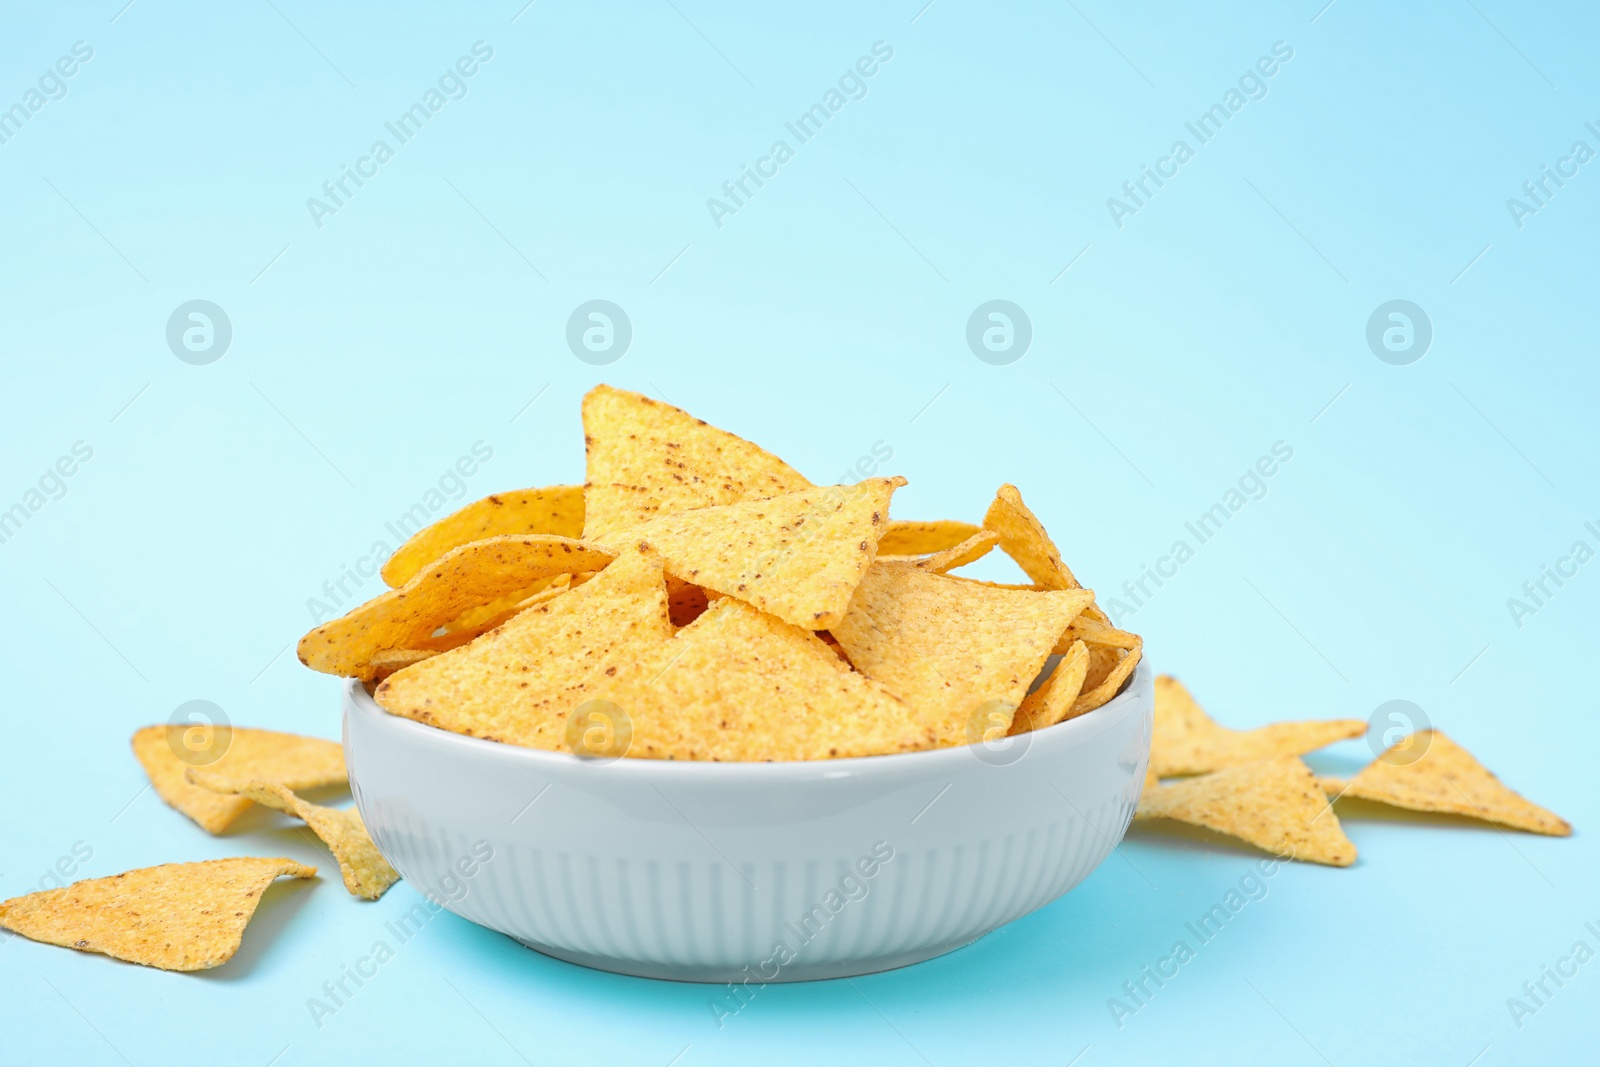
[[748, 872]]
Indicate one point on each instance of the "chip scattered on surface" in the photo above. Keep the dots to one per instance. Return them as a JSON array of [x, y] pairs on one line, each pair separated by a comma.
[[556, 509], [519, 683], [462, 578], [1055, 701], [739, 684], [948, 647], [178, 916], [925, 538], [1187, 741], [366, 873], [798, 556], [1429, 772], [166, 752], [646, 458], [1274, 804]]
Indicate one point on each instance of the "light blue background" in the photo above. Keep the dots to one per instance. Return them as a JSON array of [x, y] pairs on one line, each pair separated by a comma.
[[828, 314]]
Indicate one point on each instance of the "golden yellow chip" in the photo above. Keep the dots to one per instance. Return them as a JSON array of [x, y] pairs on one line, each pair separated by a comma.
[[1187, 741], [798, 556], [486, 617], [166, 752], [178, 916], [1054, 701], [923, 538], [646, 458], [738, 684], [1429, 772], [1273, 804], [519, 683], [386, 661], [1023, 538], [556, 509], [1111, 684], [462, 578], [366, 873], [1098, 635], [950, 648], [973, 548]]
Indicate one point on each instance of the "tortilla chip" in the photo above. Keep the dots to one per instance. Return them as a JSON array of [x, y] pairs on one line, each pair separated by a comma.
[[949, 647], [178, 916], [798, 556], [923, 538], [556, 509], [486, 617], [973, 548], [288, 759], [1187, 741], [646, 458], [1054, 701], [386, 661], [1446, 778], [366, 873], [1273, 804], [462, 578], [1023, 538], [1098, 635], [1109, 686], [519, 683], [738, 684]]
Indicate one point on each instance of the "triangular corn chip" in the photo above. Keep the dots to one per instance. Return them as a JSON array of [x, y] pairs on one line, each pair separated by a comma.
[[462, 578], [921, 538], [556, 509], [949, 647], [1096, 634], [1100, 688], [1445, 777], [798, 556], [738, 684], [1023, 538], [166, 752], [178, 916], [973, 548], [366, 873], [646, 458], [1273, 804], [517, 684], [1053, 701], [486, 617], [1187, 741]]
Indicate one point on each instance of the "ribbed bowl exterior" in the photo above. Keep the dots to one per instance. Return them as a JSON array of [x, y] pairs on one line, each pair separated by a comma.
[[723, 872]]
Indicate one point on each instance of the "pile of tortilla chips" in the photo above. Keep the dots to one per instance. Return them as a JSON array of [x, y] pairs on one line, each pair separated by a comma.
[[1253, 786], [698, 598]]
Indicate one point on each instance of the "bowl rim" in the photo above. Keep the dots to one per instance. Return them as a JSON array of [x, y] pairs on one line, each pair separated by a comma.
[[1060, 737]]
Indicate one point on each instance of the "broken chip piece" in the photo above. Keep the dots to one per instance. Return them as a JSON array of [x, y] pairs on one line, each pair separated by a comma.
[[1188, 741], [1274, 804], [167, 751], [178, 916], [1429, 772], [366, 873]]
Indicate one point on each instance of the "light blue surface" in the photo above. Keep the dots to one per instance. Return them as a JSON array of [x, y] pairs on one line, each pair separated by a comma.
[[826, 315]]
